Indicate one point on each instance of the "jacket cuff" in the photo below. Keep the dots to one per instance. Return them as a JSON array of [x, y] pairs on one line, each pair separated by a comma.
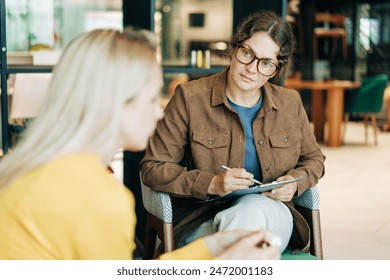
[[202, 185]]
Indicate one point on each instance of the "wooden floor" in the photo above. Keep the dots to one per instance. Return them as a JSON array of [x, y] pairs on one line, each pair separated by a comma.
[[355, 198]]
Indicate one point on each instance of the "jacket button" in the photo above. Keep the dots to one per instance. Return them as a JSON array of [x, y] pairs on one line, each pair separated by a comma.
[[267, 168], [285, 139], [211, 141], [260, 142]]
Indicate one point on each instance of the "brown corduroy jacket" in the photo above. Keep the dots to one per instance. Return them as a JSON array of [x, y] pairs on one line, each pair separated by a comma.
[[201, 131]]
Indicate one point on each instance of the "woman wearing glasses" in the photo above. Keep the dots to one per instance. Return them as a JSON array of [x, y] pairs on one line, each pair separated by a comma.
[[239, 119]]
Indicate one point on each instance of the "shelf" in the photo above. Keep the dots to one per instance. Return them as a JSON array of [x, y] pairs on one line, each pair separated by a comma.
[[29, 69], [31, 62]]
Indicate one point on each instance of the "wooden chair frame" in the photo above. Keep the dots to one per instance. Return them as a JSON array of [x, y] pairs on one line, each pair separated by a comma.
[[335, 33]]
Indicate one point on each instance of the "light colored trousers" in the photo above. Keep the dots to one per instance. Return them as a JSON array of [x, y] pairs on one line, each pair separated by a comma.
[[249, 212]]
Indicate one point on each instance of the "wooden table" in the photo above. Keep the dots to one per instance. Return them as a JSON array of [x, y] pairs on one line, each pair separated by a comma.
[[332, 112]]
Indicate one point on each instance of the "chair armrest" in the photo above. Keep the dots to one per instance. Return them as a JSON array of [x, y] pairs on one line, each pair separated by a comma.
[[157, 203], [310, 199]]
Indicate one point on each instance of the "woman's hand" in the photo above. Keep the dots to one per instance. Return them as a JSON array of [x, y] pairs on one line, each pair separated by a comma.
[[230, 180], [243, 245], [284, 193]]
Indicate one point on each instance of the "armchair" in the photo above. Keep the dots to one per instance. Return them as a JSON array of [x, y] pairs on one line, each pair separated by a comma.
[[159, 220]]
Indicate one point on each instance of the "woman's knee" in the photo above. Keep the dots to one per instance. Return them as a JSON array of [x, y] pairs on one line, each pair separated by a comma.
[[254, 212]]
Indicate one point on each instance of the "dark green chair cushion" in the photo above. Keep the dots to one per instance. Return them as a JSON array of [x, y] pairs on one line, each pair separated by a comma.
[[288, 255]]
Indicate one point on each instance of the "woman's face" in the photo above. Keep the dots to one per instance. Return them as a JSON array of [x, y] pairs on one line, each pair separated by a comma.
[[247, 78], [141, 114]]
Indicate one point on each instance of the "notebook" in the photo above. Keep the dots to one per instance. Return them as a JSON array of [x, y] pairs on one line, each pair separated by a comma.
[[253, 190]]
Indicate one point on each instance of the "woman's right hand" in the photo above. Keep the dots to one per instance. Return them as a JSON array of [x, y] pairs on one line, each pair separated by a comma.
[[229, 181], [243, 245]]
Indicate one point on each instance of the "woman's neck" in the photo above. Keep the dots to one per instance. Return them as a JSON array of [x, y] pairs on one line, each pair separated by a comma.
[[243, 98]]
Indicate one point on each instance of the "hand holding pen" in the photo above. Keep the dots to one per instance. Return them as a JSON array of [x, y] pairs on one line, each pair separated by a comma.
[[229, 181], [253, 180]]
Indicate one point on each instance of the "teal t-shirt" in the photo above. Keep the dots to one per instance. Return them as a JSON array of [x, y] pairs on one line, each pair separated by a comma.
[[247, 116]]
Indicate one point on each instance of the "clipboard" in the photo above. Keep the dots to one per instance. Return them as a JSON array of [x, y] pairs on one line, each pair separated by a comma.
[[253, 190]]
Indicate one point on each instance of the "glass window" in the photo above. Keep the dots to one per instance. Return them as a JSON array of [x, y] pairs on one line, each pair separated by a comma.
[[369, 32], [50, 25]]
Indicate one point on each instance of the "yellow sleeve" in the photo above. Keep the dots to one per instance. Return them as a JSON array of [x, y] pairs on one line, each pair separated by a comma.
[[196, 250]]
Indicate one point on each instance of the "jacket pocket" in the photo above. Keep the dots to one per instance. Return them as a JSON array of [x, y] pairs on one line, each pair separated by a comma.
[[286, 148], [209, 149], [285, 139], [211, 140]]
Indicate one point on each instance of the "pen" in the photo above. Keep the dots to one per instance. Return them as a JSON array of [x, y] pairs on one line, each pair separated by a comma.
[[253, 180]]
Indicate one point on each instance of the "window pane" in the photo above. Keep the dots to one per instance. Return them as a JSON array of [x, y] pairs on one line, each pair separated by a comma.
[[52, 24]]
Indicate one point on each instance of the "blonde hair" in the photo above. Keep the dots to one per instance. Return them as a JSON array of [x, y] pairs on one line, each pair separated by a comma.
[[97, 74]]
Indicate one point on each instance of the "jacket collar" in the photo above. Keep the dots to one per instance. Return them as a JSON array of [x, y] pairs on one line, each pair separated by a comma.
[[218, 94], [269, 96]]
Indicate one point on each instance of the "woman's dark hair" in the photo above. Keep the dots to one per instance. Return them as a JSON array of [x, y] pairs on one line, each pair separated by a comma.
[[277, 28]]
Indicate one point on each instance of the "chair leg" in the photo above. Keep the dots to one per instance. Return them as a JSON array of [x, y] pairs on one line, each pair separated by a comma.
[[167, 237], [374, 126], [312, 217], [150, 239], [346, 120], [366, 128], [155, 227], [345, 47], [334, 48], [317, 237]]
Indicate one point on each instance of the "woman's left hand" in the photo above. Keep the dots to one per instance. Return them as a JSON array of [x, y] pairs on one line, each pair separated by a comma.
[[284, 193]]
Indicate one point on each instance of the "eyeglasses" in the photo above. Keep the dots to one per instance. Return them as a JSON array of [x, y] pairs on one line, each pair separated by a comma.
[[265, 66]]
